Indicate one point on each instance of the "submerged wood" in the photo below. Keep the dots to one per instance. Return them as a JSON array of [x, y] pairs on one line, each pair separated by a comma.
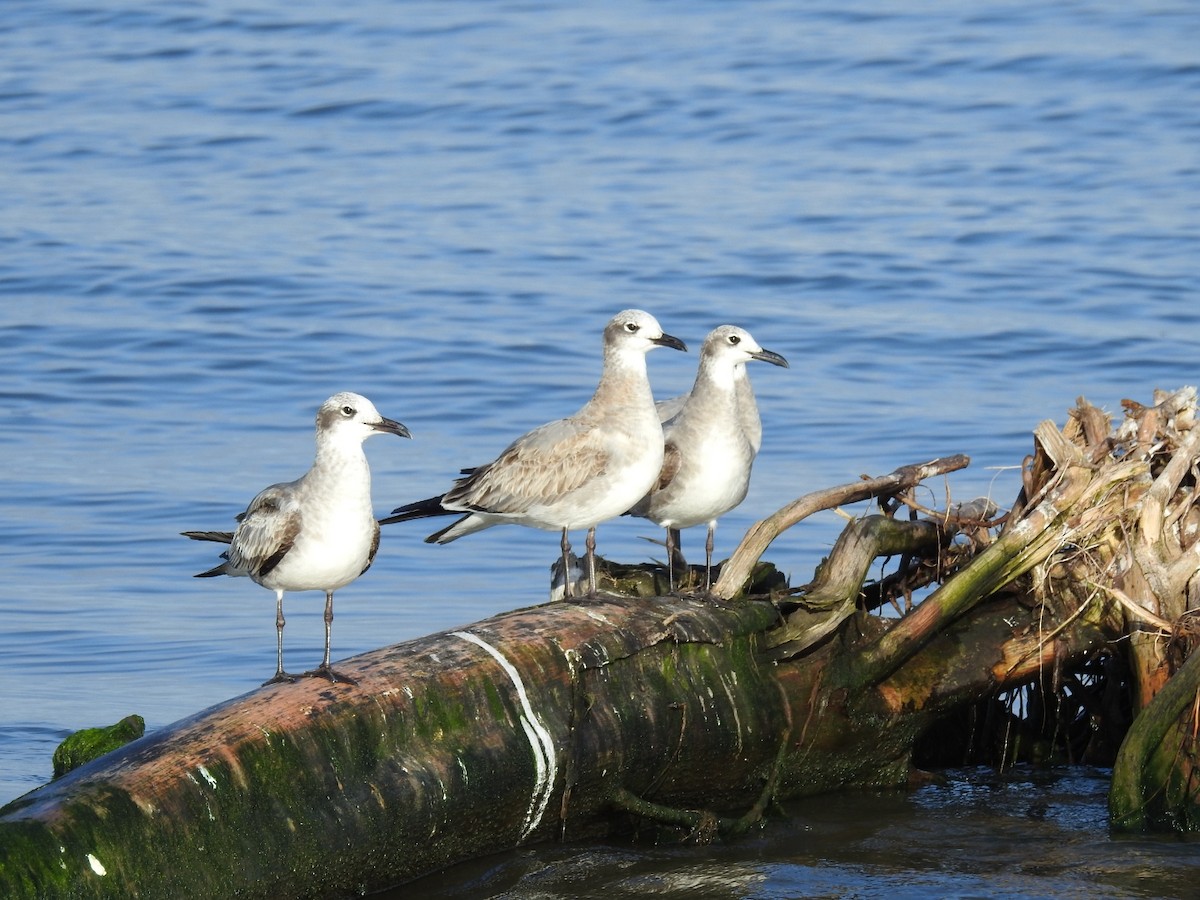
[[574, 720]]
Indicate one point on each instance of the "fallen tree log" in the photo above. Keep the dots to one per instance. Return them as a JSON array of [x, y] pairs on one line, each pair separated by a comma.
[[518, 729], [541, 724], [575, 720]]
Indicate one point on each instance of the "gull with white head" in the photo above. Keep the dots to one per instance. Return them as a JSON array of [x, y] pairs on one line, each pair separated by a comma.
[[317, 533], [712, 435]]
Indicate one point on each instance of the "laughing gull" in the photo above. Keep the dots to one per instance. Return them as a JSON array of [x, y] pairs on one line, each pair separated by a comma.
[[317, 533], [712, 435], [574, 472]]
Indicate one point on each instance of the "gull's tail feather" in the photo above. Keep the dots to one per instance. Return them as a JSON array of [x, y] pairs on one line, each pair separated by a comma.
[[421, 509], [218, 537], [222, 569], [444, 536]]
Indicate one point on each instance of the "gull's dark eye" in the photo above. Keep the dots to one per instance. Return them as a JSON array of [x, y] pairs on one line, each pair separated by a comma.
[[631, 327], [348, 411], [734, 339]]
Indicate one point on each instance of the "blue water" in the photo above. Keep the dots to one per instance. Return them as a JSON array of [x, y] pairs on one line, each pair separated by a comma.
[[953, 219]]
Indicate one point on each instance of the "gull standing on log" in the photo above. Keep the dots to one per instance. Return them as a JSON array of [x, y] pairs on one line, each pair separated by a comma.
[[317, 532], [574, 472], [712, 435]]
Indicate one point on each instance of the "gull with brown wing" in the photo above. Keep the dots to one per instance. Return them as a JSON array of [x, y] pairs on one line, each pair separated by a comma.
[[575, 472]]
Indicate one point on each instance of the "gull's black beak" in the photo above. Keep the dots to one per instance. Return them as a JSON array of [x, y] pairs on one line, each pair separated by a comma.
[[669, 340], [391, 427], [773, 358]]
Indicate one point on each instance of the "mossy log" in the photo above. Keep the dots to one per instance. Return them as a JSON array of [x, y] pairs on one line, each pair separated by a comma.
[[514, 730], [536, 725], [577, 719], [1154, 779]]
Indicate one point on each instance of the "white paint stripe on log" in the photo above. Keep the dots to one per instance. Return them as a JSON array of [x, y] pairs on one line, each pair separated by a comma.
[[535, 731]]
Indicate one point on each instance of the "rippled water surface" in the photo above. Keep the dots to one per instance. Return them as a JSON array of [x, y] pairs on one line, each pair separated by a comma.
[[953, 219], [976, 835]]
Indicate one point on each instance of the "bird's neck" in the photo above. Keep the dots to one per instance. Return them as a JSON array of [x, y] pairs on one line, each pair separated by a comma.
[[342, 458], [623, 381], [716, 383]]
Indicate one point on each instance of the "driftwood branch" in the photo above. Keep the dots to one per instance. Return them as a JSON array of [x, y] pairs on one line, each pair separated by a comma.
[[1063, 518], [737, 570], [835, 593], [705, 825]]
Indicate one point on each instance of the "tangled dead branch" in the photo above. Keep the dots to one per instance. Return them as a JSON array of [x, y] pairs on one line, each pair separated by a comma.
[[1103, 539]]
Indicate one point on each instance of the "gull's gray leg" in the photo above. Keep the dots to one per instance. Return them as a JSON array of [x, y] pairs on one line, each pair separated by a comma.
[[280, 675], [568, 587], [591, 562], [324, 670]]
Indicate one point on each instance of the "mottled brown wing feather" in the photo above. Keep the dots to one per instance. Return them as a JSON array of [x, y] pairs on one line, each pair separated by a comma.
[[547, 463], [265, 534], [670, 467]]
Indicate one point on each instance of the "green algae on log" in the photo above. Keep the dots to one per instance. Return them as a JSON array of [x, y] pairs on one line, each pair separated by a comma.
[[91, 743]]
